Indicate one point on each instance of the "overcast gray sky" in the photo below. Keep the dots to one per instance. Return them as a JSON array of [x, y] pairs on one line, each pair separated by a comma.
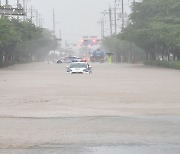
[[75, 18]]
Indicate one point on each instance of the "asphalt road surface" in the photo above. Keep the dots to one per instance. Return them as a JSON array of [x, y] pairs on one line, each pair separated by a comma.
[[119, 109]]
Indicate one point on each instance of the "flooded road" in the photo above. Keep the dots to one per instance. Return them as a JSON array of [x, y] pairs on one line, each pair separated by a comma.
[[120, 108]]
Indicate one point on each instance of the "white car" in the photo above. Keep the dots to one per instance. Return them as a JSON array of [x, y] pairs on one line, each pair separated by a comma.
[[79, 68], [68, 59]]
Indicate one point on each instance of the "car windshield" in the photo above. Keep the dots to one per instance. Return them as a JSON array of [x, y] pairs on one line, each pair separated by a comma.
[[78, 65]]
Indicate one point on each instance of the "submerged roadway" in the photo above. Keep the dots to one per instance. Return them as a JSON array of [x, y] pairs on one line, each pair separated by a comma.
[[119, 108]]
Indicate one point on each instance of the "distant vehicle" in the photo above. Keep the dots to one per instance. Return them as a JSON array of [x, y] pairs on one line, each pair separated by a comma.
[[77, 59], [68, 59], [79, 68], [97, 56], [84, 60], [59, 61]]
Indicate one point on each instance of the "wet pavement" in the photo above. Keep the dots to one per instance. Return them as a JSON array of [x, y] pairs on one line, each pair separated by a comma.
[[120, 108]]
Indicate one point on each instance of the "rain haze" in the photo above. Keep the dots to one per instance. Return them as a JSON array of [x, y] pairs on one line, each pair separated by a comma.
[[89, 77], [75, 18]]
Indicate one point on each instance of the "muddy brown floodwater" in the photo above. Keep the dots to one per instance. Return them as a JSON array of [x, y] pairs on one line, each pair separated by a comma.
[[120, 108]]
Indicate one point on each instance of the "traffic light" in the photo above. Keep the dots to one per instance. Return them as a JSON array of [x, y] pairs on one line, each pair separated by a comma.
[[85, 42], [94, 41], [90, 41]]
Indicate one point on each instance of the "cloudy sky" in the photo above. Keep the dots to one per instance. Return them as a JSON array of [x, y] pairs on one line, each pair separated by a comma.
[[75, 18]]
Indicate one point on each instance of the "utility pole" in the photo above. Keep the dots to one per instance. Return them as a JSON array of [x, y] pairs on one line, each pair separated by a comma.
[[132, 51], [110, 20], [24, 6], [115, 19], [102, 28], [66, 45], [103, 23], [54, 23], [122, 14], [60, 38], [17, 6], [37, 16], [31, 18], [40, 21]]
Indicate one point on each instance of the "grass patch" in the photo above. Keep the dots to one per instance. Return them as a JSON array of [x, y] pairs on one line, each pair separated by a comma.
[[2, 65], [165, 64]]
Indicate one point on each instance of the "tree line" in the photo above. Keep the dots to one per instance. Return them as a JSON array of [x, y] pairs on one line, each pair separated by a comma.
[[22, 41], [154, 27]]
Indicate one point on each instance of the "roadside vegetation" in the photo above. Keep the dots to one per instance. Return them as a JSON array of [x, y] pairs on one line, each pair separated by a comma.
[[123, 50], [165, 64], [22, 41], [154, 27]]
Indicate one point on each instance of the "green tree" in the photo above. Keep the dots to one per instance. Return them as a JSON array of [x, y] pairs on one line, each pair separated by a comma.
[[124, 51], [155, 27], [9, 37], [22, 40]]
